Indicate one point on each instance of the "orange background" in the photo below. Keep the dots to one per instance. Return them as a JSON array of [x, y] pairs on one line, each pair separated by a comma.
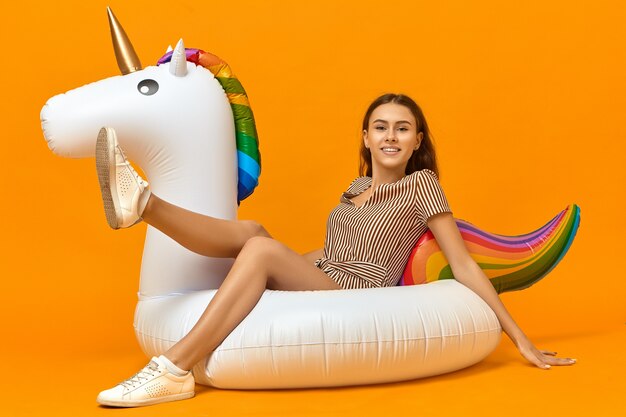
[[526, 105]]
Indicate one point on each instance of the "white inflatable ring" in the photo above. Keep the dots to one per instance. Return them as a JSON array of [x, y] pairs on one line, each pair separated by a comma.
[[183, 136], [304, 339]]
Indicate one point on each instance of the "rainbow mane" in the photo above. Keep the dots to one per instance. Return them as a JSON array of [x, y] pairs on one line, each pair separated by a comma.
[[510, 262], [248, 154]]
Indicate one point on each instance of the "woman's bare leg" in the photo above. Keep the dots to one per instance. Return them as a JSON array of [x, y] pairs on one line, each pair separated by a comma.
[[262, 263], [205, 235]]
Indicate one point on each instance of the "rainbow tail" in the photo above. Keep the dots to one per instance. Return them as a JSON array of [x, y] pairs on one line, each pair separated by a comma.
[[511, 263]]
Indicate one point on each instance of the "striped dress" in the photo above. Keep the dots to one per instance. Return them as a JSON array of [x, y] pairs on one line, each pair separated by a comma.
[[369, 245]]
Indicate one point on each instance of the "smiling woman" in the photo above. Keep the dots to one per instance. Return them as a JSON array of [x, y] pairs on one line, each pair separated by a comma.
[[371, 233], [396, 151], [380, 229]]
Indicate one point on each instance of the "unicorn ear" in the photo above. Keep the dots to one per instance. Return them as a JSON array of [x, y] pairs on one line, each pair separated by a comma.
[[169, 48], [178, 64]]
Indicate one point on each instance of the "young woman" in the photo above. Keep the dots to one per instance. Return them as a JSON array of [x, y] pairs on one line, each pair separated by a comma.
[[400, 181]]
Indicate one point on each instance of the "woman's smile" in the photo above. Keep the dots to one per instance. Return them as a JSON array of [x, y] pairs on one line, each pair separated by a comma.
[[391, 151]]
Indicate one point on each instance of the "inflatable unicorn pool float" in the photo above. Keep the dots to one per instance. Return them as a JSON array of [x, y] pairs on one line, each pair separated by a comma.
[[188, 124]]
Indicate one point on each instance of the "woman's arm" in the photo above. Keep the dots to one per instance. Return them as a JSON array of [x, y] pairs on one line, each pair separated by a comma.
[[467, 272], [313, 255]]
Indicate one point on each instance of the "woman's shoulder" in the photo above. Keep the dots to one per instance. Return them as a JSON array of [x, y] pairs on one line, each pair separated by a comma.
[[429, 172], [424, 181], [425, 175], [358, 185]]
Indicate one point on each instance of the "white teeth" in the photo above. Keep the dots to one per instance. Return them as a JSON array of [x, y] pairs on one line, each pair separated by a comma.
[[391, 150]]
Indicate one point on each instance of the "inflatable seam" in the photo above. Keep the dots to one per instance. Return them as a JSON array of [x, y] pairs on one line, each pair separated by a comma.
[[474, 324]]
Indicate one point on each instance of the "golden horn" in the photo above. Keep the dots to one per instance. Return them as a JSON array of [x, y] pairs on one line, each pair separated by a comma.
[[127, 59]]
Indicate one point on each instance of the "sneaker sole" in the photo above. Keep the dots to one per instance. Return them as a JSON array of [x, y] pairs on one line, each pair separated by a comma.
[[105, 165], [150, 401]]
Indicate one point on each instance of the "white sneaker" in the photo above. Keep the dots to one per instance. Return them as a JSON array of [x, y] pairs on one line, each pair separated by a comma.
[[152, 385], [124, 193]]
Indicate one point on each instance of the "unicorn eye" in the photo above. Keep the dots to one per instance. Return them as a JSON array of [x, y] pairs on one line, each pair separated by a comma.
[[148, 87]]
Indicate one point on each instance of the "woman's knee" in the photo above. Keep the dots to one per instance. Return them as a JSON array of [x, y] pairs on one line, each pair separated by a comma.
[[255, 228], [263, 249]]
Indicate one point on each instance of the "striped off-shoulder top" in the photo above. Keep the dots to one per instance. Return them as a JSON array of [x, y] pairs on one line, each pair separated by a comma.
[[369, 245]]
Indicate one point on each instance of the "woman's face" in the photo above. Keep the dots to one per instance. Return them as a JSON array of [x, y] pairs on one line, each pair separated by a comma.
[[393, 126]]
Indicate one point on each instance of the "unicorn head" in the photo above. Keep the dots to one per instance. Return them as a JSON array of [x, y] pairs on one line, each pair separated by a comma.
[[153, 110], [187, 123]]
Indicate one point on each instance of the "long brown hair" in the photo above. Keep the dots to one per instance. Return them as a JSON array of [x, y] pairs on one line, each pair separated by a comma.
[[423, 158]]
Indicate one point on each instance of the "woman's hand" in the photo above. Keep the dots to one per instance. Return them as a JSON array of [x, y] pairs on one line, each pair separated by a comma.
[[541, 358]]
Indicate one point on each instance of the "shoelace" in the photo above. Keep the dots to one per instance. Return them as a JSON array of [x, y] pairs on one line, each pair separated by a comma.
[[130, 167], [147, 370]]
